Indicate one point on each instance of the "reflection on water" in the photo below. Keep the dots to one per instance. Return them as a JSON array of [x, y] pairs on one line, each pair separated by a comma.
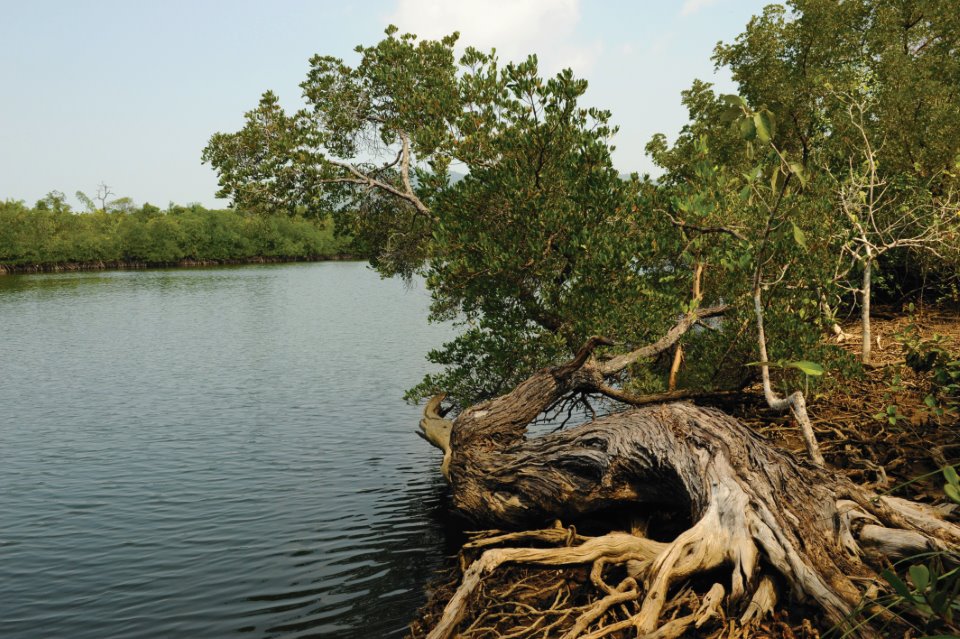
[[214, 452]]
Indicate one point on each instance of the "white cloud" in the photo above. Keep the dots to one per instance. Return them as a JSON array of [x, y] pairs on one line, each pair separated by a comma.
[[691, 7], [516, 28]]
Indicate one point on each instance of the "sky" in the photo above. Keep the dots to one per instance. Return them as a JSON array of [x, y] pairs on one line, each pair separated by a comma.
[[128, 93]]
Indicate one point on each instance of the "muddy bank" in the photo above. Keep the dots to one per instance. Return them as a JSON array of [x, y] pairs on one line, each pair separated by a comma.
[[101, 265]]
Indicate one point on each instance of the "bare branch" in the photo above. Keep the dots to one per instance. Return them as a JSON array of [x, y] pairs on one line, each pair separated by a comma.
[[405, 169], [620, 362], [364, 178], [706, 229], [564, 370], [658, 398]]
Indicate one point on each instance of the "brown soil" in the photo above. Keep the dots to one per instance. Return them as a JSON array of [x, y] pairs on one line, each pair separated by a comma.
[[868, 448]]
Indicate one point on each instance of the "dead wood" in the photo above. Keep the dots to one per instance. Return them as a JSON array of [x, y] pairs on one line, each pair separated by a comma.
[[774, 526]]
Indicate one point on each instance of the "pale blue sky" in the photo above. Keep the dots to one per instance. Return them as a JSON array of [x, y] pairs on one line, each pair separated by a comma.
[[128, 92]]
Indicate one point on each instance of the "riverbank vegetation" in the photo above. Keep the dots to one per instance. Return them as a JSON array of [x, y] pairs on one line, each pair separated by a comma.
[[829, 181], [50, 235]]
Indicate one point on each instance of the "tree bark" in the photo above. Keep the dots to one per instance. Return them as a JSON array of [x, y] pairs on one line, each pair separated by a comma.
[[865, 294], [695, 298], [751, 507], [796, 402]]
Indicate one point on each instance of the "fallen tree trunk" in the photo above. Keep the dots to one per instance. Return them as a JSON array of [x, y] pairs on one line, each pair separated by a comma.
[[759, 511]]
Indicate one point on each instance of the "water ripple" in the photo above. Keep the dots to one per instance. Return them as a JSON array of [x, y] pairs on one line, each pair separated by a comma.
[[214, 452]]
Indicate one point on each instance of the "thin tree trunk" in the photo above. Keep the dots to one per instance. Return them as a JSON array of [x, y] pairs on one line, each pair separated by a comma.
[[865, 311], [696, 297], [675, 368], [795, 401]]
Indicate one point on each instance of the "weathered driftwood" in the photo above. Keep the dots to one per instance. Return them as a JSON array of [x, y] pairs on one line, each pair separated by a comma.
[[753, 508]]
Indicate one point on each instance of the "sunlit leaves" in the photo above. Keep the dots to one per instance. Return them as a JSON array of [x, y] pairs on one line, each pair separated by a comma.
[[952, 487], [798, 235], [764, 125], [797, 169], [812, 369]]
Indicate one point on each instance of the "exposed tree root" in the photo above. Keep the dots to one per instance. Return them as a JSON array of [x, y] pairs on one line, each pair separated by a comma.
[[762, 603], [760, 524], [760, 516], [512, 593], [612, 548]]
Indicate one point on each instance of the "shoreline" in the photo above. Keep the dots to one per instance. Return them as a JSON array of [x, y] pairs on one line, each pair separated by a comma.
[[133, 265]]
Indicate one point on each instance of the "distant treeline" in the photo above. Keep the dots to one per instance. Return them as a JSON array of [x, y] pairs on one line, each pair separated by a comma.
[[51, 234]]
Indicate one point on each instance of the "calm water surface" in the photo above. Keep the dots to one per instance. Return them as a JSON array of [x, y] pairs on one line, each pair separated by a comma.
[[214, 453]]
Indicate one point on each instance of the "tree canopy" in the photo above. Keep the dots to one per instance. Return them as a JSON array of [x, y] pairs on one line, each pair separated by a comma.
[[526, 250], [541, 243]]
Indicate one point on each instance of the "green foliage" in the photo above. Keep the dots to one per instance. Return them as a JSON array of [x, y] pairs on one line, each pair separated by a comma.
[[745, 201], [51, 233], [952, 487], [542, 244], [486, 363], [891, 415], [811, 127], [401, 92], [921, 591], [796, 59], [928, 598], [863, 92], [807, 368]]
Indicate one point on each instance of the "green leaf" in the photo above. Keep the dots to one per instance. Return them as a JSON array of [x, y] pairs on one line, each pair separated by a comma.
[[763, 121], [807, 368], [730, 114], [737, 101], [797, 169], [748, 130], [920, 576], [798, 235], [774, 180], [952, 492], [938, 600], [897, 584], [950, 473], [770, 364]]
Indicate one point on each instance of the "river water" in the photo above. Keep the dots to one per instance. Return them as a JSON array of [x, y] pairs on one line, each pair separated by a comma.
[[214, 453]]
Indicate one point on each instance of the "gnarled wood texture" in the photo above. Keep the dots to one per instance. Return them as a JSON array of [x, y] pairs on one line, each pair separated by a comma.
[[753, 508]]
